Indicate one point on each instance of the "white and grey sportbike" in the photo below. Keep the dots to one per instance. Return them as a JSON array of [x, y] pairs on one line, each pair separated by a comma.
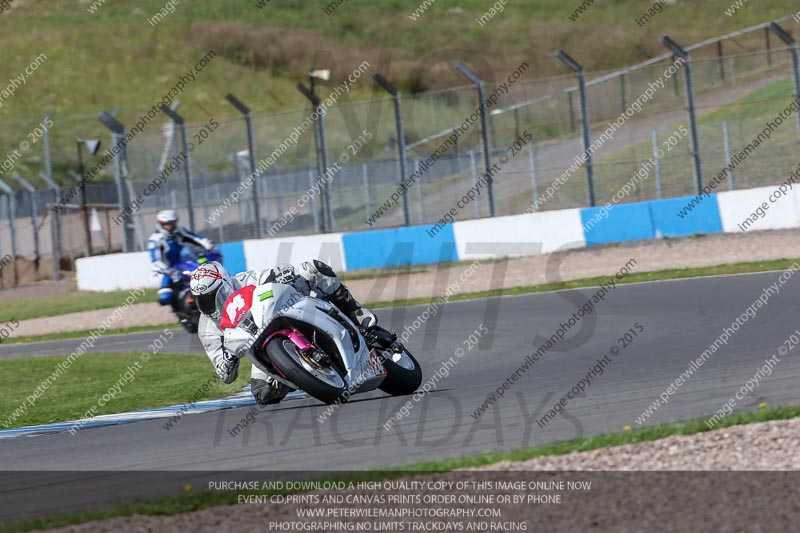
[[309, 344]]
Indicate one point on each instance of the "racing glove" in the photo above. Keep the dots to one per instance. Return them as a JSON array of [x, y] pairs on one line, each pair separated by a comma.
[[227, 367], [159, 267]]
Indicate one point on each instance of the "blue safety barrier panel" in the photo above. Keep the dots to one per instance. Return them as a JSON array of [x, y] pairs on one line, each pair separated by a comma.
[[624, 222], [703, 218], [411, 245], [233, 256]]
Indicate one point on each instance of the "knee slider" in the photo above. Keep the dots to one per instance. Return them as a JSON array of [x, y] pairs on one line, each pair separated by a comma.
[[324, 268]]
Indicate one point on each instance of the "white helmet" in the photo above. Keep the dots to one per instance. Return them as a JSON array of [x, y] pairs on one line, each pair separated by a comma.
[[211, 285], [167, 217]]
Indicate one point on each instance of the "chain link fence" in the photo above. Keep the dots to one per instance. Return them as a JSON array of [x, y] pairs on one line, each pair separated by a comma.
[[741, 82]]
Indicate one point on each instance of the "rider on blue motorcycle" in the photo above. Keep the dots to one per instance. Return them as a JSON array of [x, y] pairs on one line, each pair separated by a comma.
[[165, 247]]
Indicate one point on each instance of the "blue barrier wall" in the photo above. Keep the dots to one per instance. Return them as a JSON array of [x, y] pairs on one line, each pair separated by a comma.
[[233, 257], [648, 220], [399, 247], [704, 218], [625, 222], [412, 245]]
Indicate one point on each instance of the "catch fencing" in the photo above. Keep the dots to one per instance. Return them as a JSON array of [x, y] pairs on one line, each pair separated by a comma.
[[740, 81]]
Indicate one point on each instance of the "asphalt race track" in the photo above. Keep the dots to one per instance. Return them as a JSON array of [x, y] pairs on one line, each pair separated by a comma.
[[680, 319]]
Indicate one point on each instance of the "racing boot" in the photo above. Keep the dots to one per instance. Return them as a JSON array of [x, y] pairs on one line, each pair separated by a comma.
[[268, 391], [362, 316]]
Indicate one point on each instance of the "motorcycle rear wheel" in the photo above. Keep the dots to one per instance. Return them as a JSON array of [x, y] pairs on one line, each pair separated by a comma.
[[323, 383]]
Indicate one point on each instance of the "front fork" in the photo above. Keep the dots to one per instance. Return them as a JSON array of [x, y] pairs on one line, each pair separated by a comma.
[[298, 339], [293, 335]]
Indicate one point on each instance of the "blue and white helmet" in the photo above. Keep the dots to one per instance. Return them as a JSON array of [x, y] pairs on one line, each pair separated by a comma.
[[167, 222]]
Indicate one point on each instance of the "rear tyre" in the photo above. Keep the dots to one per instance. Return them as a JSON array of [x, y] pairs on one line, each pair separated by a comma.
[[323, 383], [404, 375]]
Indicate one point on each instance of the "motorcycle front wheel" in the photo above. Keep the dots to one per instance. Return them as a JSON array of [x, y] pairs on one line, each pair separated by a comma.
[[322, 382], [403, 373]]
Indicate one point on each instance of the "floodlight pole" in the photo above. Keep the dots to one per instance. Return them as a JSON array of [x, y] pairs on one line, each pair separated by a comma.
[[248, 120], [479, 85], [577, 68], [323, 160], [687, 66], [34, 216], [793, 47], [401, 140], [187, 172]]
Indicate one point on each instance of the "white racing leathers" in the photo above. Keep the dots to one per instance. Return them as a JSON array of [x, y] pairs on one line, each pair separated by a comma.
[[309, 276]]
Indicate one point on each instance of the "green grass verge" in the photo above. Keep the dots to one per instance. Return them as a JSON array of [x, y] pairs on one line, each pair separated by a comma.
[[166, 379], [69, 303], [634, 277], [193, 502]]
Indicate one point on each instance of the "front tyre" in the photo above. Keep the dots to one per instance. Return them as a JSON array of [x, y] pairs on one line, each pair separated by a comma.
[[322, 382], [191, 323], [404, 375]]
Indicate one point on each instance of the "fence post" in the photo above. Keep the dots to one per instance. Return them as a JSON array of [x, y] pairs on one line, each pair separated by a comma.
[[727, 141], [87, 236], [54, 231], [92, 146], [248, 120], [187, 167], [475, 183], [793, 46], [55, 223], [579, 72], [11, 204], [479, 85], [219, 219], [48, 177], [532, 164], [322, 156], [367, 196], [623, 89], [419, 192], [571, 111], [118, 139], [657, 162], [681, 53], [401, 140], [721, 59], [34, 216], [314, 204], [676, 86]]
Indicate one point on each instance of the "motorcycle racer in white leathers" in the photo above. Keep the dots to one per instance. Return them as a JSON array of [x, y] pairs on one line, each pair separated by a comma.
[[211, 285]]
